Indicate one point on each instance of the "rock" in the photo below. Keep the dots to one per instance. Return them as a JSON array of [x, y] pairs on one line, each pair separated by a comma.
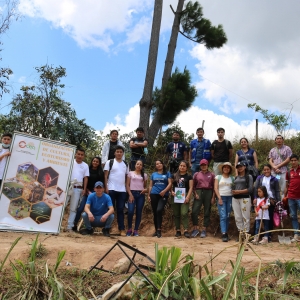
[[122, 265]]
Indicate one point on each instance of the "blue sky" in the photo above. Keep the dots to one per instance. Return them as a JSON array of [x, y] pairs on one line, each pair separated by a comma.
[[104, 47]]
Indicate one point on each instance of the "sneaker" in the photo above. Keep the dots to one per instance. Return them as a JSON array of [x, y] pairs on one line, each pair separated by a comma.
[[203, 234], [74, 228], [186, 234], [224, 237], [154, 234], [129, 233], [194, 233], [158, 233], [87, 231], [122, 233], [264, 241], [255, 240], [178, 233], [135, 233], [296, 238], [105, 232]]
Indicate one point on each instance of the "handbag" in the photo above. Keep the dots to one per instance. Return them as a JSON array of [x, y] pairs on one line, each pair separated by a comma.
[[252, 170]]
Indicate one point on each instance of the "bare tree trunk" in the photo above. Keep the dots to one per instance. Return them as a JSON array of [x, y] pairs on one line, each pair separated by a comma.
[[155, 125], [146, 100]]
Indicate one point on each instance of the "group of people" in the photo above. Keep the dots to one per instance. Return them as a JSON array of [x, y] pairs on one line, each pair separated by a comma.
[[108, 183]]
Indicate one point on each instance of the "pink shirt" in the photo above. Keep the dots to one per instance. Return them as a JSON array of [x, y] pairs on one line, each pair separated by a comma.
[[136, 181], [204, 180], [279, 155]]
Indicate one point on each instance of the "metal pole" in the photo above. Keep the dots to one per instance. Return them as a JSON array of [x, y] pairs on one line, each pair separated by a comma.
[[256, 130]]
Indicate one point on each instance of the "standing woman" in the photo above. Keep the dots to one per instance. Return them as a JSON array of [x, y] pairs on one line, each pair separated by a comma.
[[96, 174], [241, 202], [272, 185], [136, 186], [247, 156], [160, 184], [223, 191], [203, 195], [181, 179]]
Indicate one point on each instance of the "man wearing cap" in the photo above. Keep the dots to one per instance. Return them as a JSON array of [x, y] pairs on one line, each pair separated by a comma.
[[221, 150], [203, 195], [98, 211], [138, 146]]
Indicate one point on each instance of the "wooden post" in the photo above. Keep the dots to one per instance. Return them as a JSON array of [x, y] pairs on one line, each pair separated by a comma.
[[256, 130], [203, 124]]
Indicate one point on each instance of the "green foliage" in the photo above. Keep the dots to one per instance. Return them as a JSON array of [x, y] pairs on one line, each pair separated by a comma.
[[39, 110], [199, 29], [279, 122], [176, 96]]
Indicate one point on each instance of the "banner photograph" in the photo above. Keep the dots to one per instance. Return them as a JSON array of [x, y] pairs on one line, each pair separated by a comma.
[[35, 184]]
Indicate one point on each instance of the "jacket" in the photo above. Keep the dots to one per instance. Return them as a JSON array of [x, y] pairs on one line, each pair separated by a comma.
[[274, 186]]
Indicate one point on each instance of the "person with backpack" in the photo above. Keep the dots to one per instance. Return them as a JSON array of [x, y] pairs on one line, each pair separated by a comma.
[[241, 202], [136, 186], [223, 191], [115, 174], [177, 152], [221, 150], [292, 192], [199, 149]]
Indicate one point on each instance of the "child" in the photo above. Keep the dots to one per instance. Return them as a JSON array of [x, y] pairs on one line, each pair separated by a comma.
[[4, 152], [262, 214]]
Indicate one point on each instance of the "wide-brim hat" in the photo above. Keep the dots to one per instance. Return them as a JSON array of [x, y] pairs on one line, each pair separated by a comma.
[[227, 164]]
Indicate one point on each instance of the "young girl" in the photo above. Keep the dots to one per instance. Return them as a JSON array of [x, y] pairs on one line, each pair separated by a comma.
[[160, 184], [136, 186], [181, 179], [262, 214]]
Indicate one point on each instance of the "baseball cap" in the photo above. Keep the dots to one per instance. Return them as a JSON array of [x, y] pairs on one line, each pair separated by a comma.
[[203, 162], [240, 163], [98, 183]]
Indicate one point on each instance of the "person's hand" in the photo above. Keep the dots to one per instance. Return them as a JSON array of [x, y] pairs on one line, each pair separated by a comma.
[[234, 192], [84, 192], [162, 193], [91, 217], [220, 201], [196, 196], [103, 218], [7, 154], [186, 200], [149, 199], [143, 191], [254, 201], [272, 202], [173, 193], [131, 198]]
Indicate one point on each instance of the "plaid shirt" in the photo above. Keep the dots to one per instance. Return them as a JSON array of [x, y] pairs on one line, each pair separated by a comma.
[[285, 152]]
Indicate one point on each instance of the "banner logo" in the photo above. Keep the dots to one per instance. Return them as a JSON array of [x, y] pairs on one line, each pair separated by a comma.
[[30, 145]]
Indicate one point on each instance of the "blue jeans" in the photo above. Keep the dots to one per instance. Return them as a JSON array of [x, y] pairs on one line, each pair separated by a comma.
[[96, 223], [80, 209], [224, 212], [138, 203], [294, 205], [195, 168], [118, 199], [266, 226]]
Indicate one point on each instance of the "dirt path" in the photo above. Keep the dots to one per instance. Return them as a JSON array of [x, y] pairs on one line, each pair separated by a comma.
[[84, 251]]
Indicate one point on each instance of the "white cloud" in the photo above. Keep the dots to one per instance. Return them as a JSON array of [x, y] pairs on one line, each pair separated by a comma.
[[190, 120], [22, 79]]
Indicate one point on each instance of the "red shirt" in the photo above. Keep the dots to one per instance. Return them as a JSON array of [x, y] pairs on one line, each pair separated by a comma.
[[204, 180], [293, 177]]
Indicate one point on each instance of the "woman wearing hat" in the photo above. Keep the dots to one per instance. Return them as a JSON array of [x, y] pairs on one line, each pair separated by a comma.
[[223, 191], [241, 202], [203, 195]]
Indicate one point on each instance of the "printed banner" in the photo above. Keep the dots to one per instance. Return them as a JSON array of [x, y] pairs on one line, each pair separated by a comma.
[[179, 195], [35, 184]]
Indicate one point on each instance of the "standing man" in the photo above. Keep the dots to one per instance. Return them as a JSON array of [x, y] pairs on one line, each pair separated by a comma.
[[115, 173], [292, 191], [221, 151], [177, 152], [200, 149], [279, 158], [80, 174], [138, 146], [98, 211], [109, 147], [4, 152]]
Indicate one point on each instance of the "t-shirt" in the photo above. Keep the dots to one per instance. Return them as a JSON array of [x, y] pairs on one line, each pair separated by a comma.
[[95, 175], [240, 183], [139, 151], [183, 182], [3, 162], [116, 179], [112, 149], [80, 171], [221, 150], [137, 181], [176, 150], [99, 205], [225, 185], [293, 176], [265, 214], [160, 182], [204, 180], [266, 182]]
